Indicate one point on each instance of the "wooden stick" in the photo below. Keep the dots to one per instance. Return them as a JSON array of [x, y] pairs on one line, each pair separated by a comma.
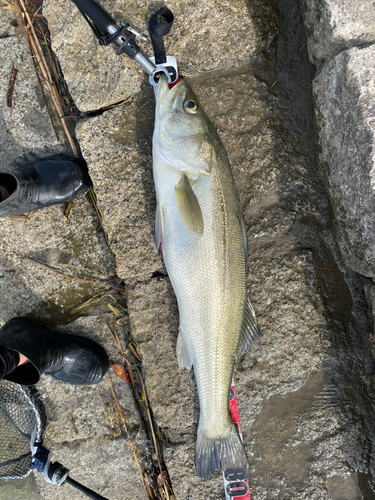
[[11, 86]]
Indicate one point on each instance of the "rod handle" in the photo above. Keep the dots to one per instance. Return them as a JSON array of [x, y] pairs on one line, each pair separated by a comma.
[[96, 13], [84, 489]]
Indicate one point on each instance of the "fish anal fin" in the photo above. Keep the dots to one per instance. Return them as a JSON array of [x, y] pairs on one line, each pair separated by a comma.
[[159, 227], [188, 206], [249, 331], [183, 357]]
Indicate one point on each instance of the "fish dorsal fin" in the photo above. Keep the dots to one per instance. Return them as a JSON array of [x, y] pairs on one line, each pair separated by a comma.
[[183, 357], [249, 332], [188, 206], [159, 227], [244, 234]]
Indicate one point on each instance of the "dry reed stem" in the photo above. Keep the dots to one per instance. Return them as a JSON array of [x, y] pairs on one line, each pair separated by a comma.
[[37, 52], [18, 216], [45, 101], [134, 450], [151, 426], [93, 199], [8, 6], [116, 340], [72, 277], [97, 298], [148, 410], [117, 104]]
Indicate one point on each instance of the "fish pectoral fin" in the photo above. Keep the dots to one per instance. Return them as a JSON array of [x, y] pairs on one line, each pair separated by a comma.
[[183, 356], [188, 206], [159, 227], [249, 332]]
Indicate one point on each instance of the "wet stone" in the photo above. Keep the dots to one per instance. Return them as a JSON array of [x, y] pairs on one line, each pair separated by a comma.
[[288, 402], [76, 247], [344, 487], [304, 392], [222, 34], [16, 489], [344, 92], [26, 129], [117, 147], [104, 465], [370, 297]]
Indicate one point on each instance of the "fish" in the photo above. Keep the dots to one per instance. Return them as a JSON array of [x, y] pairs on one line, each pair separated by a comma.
[[200, 228]]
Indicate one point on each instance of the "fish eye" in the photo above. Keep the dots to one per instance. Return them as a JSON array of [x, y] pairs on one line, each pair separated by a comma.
[[191, 106]]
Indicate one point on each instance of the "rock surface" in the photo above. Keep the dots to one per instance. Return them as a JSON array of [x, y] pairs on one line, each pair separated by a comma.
[[305, 394], [290, 402], [9, 24], [370, 297], [117, 145], [222, 33], [345, 94], [16, 489], [75, 247], [26, 129], [340, 39], [334, 25], [83, 431]]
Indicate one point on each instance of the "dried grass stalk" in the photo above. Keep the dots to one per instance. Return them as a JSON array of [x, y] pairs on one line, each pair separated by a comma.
[[42, 65]]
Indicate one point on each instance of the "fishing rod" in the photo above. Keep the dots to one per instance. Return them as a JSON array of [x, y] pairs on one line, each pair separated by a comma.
[[123, 35], [56, 473]]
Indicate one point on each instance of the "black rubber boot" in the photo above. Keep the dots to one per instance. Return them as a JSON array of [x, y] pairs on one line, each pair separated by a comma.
[[70, 358], [42, 183]]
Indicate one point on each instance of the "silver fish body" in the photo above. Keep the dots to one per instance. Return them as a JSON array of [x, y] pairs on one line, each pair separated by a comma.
[[200, 227]]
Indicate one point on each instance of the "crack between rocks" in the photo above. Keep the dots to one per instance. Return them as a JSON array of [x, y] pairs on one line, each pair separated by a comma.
[[242, 69], [98, 112]]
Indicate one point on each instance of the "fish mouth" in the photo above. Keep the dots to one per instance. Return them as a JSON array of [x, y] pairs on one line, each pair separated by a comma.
[[166, 99]]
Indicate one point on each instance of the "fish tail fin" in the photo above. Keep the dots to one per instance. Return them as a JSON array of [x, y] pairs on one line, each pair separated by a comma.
[[219, 453]]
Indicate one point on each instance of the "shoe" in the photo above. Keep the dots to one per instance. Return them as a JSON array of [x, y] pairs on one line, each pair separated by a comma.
[[70, 358], [42, 183]]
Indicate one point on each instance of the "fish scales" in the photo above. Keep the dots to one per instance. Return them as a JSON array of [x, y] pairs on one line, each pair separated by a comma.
[[199, 226]]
